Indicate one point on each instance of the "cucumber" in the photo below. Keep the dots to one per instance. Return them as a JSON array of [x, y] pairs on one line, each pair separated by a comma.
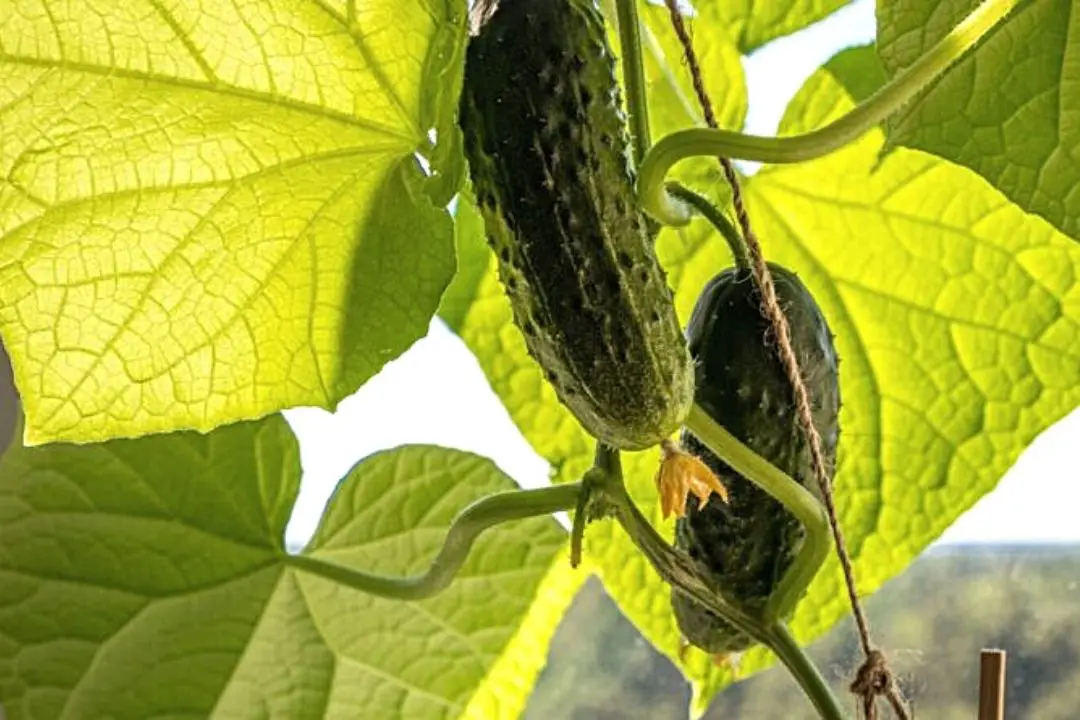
[[749, 542], [549, 160]]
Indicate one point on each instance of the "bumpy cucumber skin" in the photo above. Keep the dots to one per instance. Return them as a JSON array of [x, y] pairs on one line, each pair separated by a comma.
[[748, 543], [548, 154]]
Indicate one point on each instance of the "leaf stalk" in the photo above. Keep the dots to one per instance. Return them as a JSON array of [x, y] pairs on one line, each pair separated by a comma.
[[469, 524], [695, 142], [717, 219]]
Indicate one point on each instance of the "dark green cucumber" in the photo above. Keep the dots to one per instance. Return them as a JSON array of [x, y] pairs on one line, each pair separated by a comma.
[[548, 154], [748, 543]]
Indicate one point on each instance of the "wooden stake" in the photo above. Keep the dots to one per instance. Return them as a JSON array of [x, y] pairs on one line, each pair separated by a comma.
[[992, 685]]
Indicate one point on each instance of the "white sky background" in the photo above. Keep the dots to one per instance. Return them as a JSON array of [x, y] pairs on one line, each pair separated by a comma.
[[437, 394]]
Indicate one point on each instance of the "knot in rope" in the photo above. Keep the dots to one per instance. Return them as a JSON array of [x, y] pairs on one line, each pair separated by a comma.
[[874, 680]]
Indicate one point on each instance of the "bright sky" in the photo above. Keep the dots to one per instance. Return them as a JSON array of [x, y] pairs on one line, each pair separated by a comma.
[[437, 394]]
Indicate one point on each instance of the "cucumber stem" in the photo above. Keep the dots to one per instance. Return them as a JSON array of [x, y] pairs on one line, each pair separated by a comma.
[[817, 143], [679, 571], [466, 527], [581, 519], [674, 566], [793, 496], [592, 481], [718, 220], [633, 77], [805, 672]]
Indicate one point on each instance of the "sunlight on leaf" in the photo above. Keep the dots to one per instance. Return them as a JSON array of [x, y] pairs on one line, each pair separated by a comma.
[[1008, 110], [147, 578], [203, 205]]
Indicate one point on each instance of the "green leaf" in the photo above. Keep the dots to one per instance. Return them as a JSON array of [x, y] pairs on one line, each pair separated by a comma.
[[389, 517], [755, 22], [147, 578], [203, 207], [957, 319], [1006, 110]]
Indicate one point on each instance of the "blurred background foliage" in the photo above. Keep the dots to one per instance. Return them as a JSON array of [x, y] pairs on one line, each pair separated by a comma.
[[934, 619]]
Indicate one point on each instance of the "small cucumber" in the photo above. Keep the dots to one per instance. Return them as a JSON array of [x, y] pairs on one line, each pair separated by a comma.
[[749, 542], [548, 154]]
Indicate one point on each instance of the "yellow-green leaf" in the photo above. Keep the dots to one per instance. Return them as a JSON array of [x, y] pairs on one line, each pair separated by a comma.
[[204, 206]]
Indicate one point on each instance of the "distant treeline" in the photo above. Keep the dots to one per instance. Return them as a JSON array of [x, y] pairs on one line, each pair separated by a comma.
[[933, 619]]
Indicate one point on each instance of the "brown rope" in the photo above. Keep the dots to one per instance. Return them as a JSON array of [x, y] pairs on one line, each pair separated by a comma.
[[873, 678]]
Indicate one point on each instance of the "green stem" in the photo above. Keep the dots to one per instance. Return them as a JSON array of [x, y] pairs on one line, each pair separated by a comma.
[[793, 496], [806, 674], [581, 519], [674, 566], [590, 483], [466, 527], [718, 220], [799, 148], [679, 571], [634, 77]]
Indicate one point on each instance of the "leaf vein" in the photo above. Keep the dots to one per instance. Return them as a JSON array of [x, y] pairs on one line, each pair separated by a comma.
[[215, 89], [186, 41]]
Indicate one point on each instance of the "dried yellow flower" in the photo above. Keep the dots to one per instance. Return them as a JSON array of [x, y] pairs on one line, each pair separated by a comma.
[[681, 475]]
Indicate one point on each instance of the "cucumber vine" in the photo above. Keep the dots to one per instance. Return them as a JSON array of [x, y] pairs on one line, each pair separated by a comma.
[[633, 78], [602, 492], [481, 515]]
